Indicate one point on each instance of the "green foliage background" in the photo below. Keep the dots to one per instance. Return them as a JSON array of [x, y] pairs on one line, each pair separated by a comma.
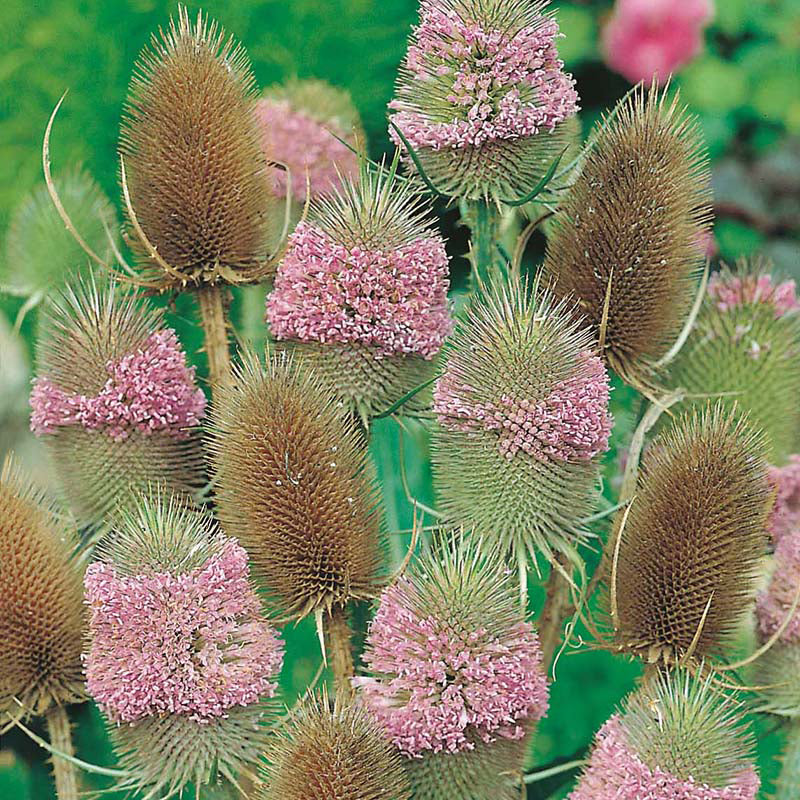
[[744, 89]]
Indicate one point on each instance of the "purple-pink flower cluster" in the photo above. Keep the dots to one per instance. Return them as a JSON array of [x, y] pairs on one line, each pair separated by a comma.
[[775, 603], [193, 644], [616, 772], [150, 390], [392, 300], [571, 423], [440, 688], [785, 516], [500, 83], [733, 291]]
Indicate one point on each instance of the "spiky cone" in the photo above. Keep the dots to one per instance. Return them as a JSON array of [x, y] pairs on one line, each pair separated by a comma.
[[676, 738], [361, 294], [114, 401], [454, 673], [180, 658], [688, 548], [745, 347], [625, 238], [523, 415], [481, 97]]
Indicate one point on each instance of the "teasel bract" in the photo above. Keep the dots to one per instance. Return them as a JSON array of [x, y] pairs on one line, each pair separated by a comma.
[[481, 97], [522, 406], [624, 243], [454, 673], [115, 401], [180, 656], [675, 738], [745, 347], [361, 294]]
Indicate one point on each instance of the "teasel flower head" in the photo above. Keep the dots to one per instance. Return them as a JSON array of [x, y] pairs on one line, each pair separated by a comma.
[[180, 657], [776, 601], [332, 750], [115, 401], [41, 608], [200, 189], [676, 738], [294, 486], [744, 347], [785, 516], [690, 543], [482, 96], [361, 294], [300, 122], [523, 416], [625, 240]]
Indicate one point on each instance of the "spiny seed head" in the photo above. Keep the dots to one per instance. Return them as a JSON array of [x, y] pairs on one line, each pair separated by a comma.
[[294, 487], [628, 229], [115, 401], [676, 738], [332, 751], [523, 414], [690, 549], [41, 601], [198, 178], [481, 96], [744, 347]]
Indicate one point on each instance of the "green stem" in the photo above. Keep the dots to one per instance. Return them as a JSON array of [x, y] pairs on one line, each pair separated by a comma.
[[788, 784], [485, 224], [64, 773]]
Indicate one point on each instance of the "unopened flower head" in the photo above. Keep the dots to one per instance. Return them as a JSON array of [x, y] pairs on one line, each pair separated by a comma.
[[482, 94], [785, 516]]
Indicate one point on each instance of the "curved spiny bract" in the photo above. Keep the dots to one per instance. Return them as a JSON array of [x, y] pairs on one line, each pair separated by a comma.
[[332, 751], [628, 228], [41, 601], [198, 178], [523, 412], [689, 554], [777, 672], [294, 486]]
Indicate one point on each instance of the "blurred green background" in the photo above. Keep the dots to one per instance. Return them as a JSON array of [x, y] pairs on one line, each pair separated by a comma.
[[744, 88]]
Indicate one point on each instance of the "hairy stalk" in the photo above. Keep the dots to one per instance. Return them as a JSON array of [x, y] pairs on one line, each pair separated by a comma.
[[213, 318], [485, 224], [557, 607], [789, 779], [340, 650], [64, 772]]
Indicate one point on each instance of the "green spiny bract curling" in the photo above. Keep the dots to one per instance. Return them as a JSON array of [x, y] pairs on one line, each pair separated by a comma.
[[523, 412], [777, 672], [690, 548], [332, 751], [295, 488], [115, 402], [627, 231], [198, 179], [745, 346], [41, 602]]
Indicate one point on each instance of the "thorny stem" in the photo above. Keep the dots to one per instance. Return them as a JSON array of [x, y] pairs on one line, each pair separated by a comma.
[[211, 300], [65, 774], [340, 649], [556, 609], [484, 235]]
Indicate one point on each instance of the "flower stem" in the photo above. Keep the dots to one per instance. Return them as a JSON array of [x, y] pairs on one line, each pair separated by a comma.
[[213, 318], [556, 609], [789, 779], [64, 772], [340, 649], [485, 225]]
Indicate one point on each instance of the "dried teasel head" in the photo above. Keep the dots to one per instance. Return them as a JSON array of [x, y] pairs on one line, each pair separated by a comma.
[[625, 239], [114, 401], [41, 601], [690, 543], [332, 750], [200, 189], [294, 487]]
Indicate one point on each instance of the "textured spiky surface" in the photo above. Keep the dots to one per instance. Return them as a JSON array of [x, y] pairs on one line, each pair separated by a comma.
[[480, 94], [777, 673], [689, 553], [295, 488], [332, 751], [113, 399], [744, 348], [776, 601], [789, 779], [450, 661], [785, 516], [41, 603], [631, 221], [198, 178], [511, 457]]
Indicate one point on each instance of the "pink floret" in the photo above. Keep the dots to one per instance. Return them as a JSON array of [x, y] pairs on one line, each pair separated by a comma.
[[785, 517], [393, 300], [439, 688], [150, 390], [774, 604], [615, 772], [193, 644], [571, 423], [734, 291]]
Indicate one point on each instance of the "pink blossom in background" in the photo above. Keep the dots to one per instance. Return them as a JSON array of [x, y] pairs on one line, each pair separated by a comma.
[[193, 644], [774, 604], [733, 291], [615, 772], [655, 38], [150, 390], [785, 516]]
